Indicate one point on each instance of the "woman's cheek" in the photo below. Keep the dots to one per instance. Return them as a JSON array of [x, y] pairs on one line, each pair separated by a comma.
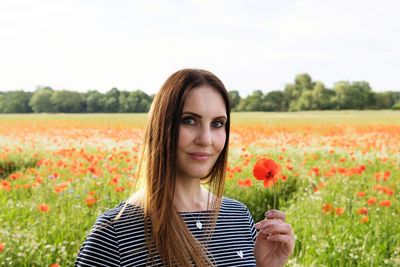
[[221, 137]]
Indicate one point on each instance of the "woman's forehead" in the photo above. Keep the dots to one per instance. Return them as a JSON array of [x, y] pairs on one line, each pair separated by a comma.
[[205, 100]]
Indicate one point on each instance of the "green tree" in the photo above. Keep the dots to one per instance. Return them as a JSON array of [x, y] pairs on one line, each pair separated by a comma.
[[94, 101], [365, 92], [41, 100], [293, 92], [2, 101], [394, 96], [234, 98], [141, 101], [382, 101], [385, 100], [253, 102], [15, 102], [396, 106], [110, 101], [68, 101], [124, 105], [304, 81], [322, 97], [135, 101], [274, 101], [356, 95], [306, 101]]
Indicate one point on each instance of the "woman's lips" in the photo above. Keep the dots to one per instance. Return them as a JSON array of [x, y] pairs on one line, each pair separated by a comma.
[[200, 156]]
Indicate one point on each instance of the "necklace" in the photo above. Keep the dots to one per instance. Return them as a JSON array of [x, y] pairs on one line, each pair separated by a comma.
[[199, 225]]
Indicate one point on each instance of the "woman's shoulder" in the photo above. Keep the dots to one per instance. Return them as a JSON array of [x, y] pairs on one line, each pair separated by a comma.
[[120, 213], [101, 246], [231, 204]]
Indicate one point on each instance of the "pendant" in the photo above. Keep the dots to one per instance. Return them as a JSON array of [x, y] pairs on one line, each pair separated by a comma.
[[240, 254], [199, 225]]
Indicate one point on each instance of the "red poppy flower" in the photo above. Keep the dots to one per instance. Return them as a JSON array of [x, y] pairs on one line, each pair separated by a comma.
[[385, 203], [316, 171], [6, 185], [43, 208], [290, 167], [266, 170], [363, 210], [339, 211], [245, 183], [361, 194], [327, 207], [386, 175], [90, 201], [120, 189], [364, 220], [371, 201]]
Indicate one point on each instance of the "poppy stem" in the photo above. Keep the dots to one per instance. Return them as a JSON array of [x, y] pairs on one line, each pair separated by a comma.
[[274, 206]]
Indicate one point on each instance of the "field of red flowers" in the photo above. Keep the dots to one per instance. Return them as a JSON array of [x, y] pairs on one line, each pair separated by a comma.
[[338, 183]]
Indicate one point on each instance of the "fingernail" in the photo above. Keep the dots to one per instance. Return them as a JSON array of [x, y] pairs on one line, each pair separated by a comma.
[[257, 225]]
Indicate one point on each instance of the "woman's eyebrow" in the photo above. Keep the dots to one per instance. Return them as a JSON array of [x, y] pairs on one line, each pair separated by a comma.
[[199, 116]]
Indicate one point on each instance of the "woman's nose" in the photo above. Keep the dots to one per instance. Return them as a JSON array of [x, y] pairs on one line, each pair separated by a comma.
[[204, 137]]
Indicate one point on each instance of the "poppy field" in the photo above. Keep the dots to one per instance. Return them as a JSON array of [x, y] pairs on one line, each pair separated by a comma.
[[337, 177]]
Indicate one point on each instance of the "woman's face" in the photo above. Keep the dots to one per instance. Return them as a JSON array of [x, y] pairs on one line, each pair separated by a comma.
[[202, 132]]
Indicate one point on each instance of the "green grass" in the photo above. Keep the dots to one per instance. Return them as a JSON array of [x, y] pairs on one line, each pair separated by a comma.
[[317, 117], [53, 149]]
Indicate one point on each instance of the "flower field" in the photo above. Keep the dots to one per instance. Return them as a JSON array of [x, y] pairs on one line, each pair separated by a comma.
[[339, 182]]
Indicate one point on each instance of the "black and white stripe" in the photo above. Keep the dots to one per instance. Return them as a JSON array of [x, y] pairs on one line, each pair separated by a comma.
[[122, 243]]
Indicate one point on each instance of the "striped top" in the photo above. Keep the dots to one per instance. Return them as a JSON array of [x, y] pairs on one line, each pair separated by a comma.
[[123, 242]]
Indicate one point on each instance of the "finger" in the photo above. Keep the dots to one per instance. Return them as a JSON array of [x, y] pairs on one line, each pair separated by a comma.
[[277, 229], [266, 223], [287, 239], [275, 214]]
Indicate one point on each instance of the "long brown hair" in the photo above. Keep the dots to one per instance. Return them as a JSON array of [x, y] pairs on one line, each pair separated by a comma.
[[168, 232]]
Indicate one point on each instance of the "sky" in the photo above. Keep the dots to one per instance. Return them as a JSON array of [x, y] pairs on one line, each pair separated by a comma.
[[250, 45]]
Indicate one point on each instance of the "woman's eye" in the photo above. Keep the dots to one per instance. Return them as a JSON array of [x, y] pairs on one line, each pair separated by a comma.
[[218, 124], [188, 120]]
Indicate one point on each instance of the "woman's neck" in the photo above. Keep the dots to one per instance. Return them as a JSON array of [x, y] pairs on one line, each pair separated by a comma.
[[190, 196]]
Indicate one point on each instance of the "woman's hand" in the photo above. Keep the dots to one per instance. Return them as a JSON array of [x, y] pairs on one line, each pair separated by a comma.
[[275, 241]]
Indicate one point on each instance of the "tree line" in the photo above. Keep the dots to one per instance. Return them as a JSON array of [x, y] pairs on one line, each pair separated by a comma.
[[303, 94]]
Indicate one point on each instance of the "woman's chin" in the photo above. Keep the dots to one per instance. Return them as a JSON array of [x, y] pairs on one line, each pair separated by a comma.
[[197, 175]]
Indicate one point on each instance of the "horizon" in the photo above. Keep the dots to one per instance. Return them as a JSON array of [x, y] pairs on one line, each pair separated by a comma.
[[153, 93]]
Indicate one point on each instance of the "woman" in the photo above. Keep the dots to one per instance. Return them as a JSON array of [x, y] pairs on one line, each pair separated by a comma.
[[180, 217]]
